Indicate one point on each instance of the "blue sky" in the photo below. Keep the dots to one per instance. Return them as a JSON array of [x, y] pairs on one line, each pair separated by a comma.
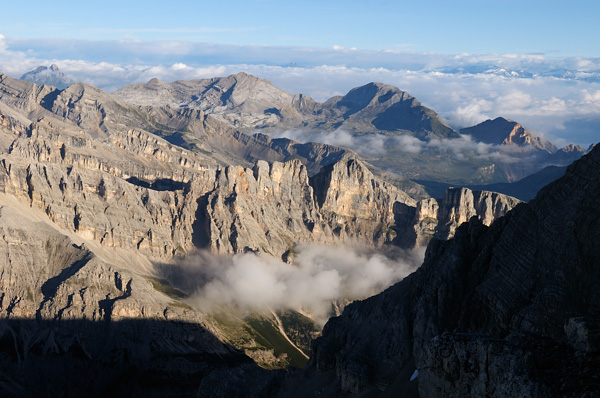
[[533, 61], [473, 26]]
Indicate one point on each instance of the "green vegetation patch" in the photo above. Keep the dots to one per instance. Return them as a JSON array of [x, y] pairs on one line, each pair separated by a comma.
[[163, 286], [267, 334], [180, 305], [299, 328]]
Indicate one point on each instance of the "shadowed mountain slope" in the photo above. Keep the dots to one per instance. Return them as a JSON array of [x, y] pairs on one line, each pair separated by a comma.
[[508, 294]]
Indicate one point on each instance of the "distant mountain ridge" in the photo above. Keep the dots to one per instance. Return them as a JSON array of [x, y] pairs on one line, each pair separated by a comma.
[[249, 102], [373, 114], [523, 189], [49, 75], [501, 131], [376, 119]]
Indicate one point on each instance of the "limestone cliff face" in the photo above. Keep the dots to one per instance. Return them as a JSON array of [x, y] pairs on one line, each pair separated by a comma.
[[509, 288], [81, 163], [429, 218], [71, 306], [267, 209], [79, 295], [460, 204], [133, 190], [129, 192], [271, 207]]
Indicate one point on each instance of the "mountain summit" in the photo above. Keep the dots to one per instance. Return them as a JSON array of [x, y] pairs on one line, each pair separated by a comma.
[[503, 131], [49, 75], [381, 107]]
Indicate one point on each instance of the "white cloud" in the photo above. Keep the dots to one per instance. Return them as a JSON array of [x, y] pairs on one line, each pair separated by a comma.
[[365, 145], [319, 275], [477, 111], [379, 145], [464, 89], [180, 66], [591, 101], [514, 100]]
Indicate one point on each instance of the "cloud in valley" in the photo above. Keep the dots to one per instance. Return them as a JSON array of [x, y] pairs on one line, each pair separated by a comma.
[[379, 145], [319, 275]]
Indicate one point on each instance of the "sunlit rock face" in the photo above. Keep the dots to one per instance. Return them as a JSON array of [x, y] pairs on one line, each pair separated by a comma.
[[431, 218]]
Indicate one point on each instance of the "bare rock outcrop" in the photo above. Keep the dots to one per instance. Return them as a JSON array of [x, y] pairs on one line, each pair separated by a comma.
[[92, 174], [459, 205], [242, 100], [502, 131], [429, 218], [71, 306], [271, 207], [529, 274]]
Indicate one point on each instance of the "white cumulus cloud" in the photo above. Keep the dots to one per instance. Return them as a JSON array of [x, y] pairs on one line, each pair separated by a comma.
[[319, 275]]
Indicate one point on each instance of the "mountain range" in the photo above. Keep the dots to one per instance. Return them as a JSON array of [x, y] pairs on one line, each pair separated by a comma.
[[117, 208], [387, 127]]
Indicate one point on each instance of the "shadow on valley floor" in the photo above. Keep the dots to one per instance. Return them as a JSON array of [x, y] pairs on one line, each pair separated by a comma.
[[118, 358]]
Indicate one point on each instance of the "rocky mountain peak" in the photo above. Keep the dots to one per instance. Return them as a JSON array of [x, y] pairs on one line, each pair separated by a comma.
[[378, 106], [371, 95], [573, 148], [501, 131], [50, 75], [154, 82]]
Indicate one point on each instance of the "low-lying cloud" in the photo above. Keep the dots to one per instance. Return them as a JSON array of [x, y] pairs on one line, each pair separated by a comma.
[[541, 92], [380, 145], [319, 275]]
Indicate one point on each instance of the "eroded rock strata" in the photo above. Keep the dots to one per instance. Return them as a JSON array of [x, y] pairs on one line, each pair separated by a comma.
[[91, 199], [428, 218], [486, 314]]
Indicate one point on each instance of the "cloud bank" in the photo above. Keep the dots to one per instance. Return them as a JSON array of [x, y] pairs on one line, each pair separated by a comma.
[[320, 275], [380, 145], [557, 98]]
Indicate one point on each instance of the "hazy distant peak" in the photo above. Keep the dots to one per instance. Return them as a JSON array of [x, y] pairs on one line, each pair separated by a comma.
[[50, 75], [377, 91], [573, 148], [154, 81]]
